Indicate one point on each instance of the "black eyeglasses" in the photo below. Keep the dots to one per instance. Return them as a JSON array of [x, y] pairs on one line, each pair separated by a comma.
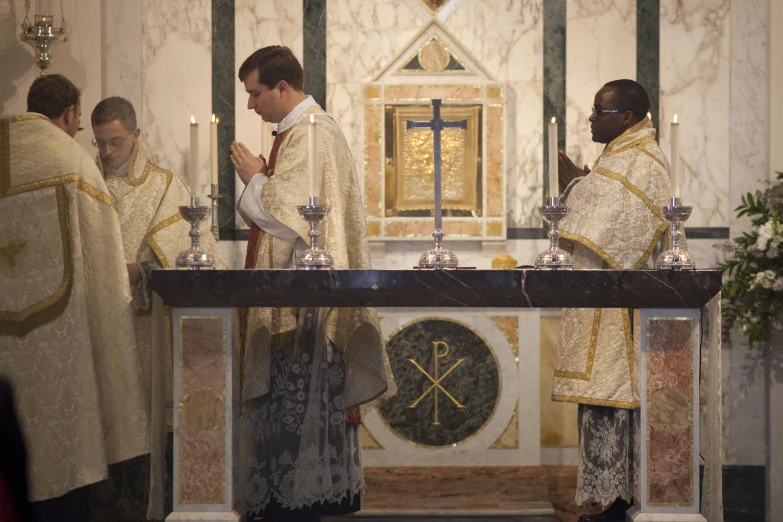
[[113, 143], [597, 113]]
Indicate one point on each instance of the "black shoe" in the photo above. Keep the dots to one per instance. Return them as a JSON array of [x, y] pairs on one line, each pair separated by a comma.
[[615, 513]]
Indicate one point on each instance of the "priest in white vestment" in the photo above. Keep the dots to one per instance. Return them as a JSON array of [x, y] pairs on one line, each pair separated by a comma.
[[306, 371], [147, 200], [67, 336], [614, 222]]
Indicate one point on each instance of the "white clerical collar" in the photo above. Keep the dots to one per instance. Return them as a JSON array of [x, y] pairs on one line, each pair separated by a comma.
[[293, 116], [122, 170]]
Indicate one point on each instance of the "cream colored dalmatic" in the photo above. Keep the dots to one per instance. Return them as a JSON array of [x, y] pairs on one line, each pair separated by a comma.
[[67, 339], [615, 222], [147, 200], [356, 331]]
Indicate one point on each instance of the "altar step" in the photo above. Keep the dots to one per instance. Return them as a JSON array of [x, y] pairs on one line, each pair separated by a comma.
[[466, 494], [489, 512]]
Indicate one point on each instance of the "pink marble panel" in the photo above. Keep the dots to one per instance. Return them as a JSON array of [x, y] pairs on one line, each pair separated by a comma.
[[373, 117], [202, 411], [495, 160], [670, 411], [427, 92]]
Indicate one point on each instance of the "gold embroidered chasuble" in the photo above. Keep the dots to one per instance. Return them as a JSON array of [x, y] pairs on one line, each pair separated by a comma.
[[147, 201], [614, 222], [356, 331], [67, 339]]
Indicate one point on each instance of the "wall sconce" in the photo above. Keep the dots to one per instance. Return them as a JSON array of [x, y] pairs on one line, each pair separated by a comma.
[[42, 35]]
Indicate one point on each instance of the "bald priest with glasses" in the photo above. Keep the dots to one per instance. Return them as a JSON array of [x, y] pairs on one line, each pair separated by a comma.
[[614, 222], [147, 200]]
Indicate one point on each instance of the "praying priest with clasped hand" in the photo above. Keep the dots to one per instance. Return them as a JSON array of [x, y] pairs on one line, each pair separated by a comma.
[[305, 371], [614, 222]]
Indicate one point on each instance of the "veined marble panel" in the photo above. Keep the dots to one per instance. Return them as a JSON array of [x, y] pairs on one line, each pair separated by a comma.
[[507, 40], [695, 85], [600, 47], [122, 41], [749, 104], [505, 37], [177, 65], [259, 23], [364, 36], [524, 153]]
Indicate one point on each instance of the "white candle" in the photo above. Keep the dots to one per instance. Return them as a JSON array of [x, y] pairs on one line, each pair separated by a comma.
[[553, 181], [193, 152], [311, 157], [675, 158], [213, 151]]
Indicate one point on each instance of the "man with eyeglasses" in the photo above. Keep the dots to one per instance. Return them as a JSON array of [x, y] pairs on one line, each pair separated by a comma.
[[67, 337], [147, 199], [614, 222]]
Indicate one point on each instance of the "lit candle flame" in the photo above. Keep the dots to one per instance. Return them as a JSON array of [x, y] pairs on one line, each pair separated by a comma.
[[192, 120], [213, 118], [553, 119], [312, 118], [675, 118], [649, 116]]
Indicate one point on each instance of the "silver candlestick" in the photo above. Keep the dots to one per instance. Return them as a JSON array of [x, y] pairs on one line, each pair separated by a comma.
[[676, 258], [194, 257], [313, 258], [438, 257], [554, 258], [214, 196]]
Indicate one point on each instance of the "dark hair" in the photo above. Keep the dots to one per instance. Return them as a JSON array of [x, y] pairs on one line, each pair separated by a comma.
[[114, 108], [51, 95], [274, 63], [631, 96]]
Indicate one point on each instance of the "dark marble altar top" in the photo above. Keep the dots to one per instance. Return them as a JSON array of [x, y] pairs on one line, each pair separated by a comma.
[[441, 288]]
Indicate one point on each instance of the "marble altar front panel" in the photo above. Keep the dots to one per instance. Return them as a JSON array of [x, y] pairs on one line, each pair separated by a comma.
[[469, 390]]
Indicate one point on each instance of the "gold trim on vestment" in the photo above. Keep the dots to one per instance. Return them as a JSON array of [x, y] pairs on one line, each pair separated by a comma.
[[42, 312], [653, 156], [644, 140], [94, 192], [157, 228], [636, 128], [132, 165], [642, 196], [53, 182], [158, 252], [592, 246], [596, 402], [585, 375]]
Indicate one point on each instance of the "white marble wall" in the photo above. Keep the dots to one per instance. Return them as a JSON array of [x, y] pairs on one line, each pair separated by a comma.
[[122, 55], [600, 47], [694, 81], [362, 37], [79, 59], [260, 23], [177, 83], [507, 39]]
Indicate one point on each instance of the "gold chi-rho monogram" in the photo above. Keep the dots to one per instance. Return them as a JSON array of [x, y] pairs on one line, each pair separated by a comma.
[[436, 380]]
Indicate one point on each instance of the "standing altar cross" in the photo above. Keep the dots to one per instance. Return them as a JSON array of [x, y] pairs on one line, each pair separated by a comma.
[[438, 257]]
